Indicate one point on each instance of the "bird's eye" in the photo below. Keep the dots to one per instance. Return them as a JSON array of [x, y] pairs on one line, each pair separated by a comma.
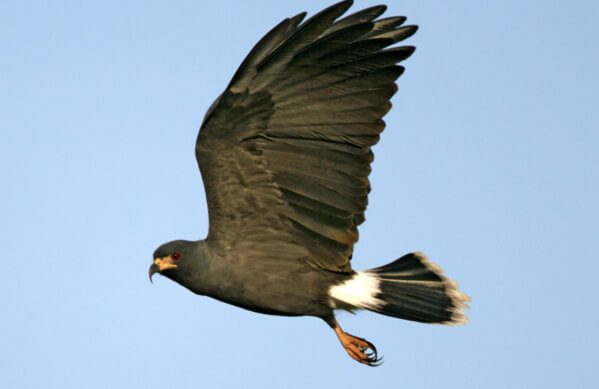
[[175, 256]]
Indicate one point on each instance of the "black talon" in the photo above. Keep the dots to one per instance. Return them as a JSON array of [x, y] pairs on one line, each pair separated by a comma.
[[373, 359]]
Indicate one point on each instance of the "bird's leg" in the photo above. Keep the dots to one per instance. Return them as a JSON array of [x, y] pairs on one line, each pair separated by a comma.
[[357, 348]]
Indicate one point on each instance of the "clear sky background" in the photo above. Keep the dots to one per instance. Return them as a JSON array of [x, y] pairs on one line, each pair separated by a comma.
[[489, 164]]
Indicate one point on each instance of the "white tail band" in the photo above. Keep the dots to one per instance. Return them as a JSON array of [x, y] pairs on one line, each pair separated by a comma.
[[360, 291]]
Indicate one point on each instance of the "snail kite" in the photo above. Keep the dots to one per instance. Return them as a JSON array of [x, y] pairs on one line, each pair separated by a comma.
[[285, 154]]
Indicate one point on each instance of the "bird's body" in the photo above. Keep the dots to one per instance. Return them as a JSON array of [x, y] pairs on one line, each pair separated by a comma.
[[285, 155], [271, 286]]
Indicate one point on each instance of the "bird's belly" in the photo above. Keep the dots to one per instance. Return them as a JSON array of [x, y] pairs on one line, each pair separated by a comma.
[[295, 291], [267, 309]]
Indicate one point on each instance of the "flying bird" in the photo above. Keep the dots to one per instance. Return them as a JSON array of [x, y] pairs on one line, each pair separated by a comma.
[[285, 154]]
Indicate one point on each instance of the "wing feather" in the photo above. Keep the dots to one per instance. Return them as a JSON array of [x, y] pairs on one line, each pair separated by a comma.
[[365, 15], [285, 151]]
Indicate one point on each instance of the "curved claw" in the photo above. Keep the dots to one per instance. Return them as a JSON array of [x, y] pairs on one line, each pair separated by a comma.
[[357, 348], [373, 359]]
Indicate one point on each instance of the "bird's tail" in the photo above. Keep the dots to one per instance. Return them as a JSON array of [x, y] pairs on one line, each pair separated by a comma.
[[410, 288]]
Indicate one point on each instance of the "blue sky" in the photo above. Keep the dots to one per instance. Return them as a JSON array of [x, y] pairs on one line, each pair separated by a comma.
[[489, 164]]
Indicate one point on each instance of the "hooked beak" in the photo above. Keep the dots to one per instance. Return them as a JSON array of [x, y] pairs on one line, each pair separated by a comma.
[[153, 269], [161, 264]]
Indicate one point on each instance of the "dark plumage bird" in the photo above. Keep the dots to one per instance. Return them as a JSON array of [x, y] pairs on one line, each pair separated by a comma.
[[285, 155]]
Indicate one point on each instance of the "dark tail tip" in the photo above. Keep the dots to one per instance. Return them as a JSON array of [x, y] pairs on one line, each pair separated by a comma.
[[413, 288]]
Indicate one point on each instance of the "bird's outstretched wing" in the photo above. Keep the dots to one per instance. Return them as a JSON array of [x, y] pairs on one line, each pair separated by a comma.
[[285, 151]]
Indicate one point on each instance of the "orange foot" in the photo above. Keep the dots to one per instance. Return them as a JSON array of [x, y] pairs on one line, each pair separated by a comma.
[[357, 348]]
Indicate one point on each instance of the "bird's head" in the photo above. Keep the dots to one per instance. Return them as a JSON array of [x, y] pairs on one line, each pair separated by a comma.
[[173, 258]]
